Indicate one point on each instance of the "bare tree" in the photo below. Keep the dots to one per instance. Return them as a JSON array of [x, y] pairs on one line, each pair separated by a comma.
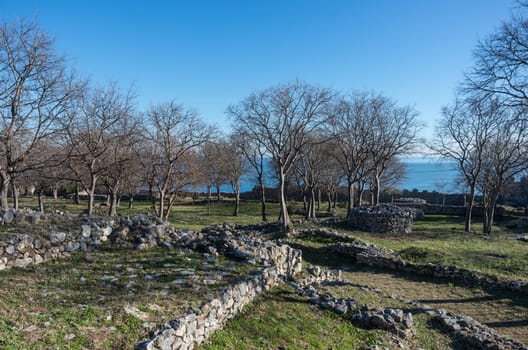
[[92, 136], [394, 131], [350, 127], [501, 64], [35, 90], [215, 165], [442, 185], [255, 154], [282, 117], [505, 156], [311, 165], [331, 175], [236, 167], [173, 132], [462, 135], [121, 158]]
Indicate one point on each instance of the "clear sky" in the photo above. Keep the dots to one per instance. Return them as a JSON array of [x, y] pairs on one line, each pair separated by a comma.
[[209, 54]]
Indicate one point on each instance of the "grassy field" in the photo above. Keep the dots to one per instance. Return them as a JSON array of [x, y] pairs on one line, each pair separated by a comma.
[[107, 299], [441, 239], [283, 320], [104, 300]]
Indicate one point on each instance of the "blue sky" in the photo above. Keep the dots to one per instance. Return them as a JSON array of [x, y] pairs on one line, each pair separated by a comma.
[[209, 54]]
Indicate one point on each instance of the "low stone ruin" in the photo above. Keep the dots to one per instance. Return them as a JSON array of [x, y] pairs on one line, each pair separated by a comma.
[[410, 200], [382, 218], [370, 255], [395, 321]]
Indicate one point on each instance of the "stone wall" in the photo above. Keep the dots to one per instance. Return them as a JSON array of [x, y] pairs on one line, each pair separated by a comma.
[[456, 210], [368, 254], [382, 218], [274, 262], [279, 261], [395, 321], [81, 234], [190, 330]]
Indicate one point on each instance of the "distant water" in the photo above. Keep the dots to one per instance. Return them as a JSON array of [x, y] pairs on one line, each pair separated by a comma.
[[421, 174], [426, 175]]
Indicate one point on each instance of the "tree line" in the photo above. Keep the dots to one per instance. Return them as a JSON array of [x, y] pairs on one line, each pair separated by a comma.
[[59, 128]]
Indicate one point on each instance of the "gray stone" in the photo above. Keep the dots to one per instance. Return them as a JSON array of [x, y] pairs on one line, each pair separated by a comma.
[[34, 217], [106, 231], [341, 309], [145, 345], [86, 231], [20, 246], [37, 243], [10, 249], [73, 246], [23, 262], [408, 320], [37, 259], [57, 237], [8, 217]]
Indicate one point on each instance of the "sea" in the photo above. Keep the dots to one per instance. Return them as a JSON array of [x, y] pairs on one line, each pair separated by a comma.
[[429, 174]]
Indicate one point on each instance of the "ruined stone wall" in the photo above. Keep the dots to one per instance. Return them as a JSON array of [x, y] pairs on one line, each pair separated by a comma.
[[382, 218], [191, 330], [370, 255], [274, 262]]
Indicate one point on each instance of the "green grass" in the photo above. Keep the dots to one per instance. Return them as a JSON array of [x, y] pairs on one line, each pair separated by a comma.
[[281, 319], [441, 239], [80, 302], [185, 214], [52, 298]]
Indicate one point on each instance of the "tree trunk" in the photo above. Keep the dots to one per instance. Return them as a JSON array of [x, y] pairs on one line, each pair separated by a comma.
[[55, 192], [263, 200], [152, 199], [361, 192], [40, 201], [218, 195], [113, 203], [319, 199], [15, 193], [130, 200], [76, 198], [5, 180], [284, 216], [350, 191], [161, 203], [305, 201], [236, 189], [490, 213], [377, 187], [208, 200], [172, 200], [329, 198], [311, 204], [469, 209]]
